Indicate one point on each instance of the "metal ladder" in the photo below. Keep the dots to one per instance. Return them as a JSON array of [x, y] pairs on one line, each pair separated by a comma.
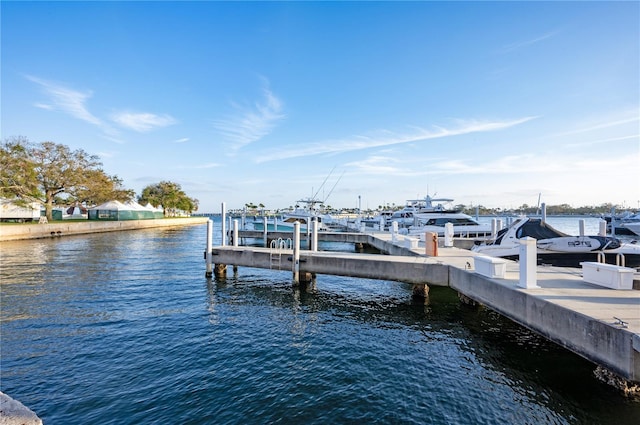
[[276, 250]]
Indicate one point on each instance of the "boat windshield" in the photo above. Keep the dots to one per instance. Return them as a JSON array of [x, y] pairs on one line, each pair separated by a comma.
[[457, 221]]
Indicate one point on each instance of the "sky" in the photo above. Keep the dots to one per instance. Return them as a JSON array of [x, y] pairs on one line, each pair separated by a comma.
[[357, 104]]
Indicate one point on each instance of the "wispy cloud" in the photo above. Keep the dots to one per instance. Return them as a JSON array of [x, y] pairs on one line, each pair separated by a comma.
[[602, 125], [66, 100], [251, 123], [183, 140], [376, 165], [142, 122], [635, 137], [526, 43], [387, 138]]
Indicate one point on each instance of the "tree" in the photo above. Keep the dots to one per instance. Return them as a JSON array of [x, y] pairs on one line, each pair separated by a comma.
[[170, 195], [18, 176], [42, 172]]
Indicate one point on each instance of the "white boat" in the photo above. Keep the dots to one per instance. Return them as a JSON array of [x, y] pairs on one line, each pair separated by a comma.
[[633, 227], [557, 248], [432, 214], [463, 225], [618, 224], [308, 212], [406, 216], [629, 225]]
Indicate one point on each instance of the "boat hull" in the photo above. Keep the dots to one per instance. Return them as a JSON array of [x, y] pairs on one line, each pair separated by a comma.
[[569, 259]]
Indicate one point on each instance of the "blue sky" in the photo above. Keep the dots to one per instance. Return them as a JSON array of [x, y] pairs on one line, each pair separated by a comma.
[[489, 103]]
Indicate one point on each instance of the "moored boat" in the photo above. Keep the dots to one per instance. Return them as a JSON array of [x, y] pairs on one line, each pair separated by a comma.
[[557, 248]]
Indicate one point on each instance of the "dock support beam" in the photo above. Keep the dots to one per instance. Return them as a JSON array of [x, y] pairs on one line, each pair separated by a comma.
[[207, 254], [264, 231], [420, 291], [223, 208], [235, 233], [220, 270], [314, 235], [296, 253]]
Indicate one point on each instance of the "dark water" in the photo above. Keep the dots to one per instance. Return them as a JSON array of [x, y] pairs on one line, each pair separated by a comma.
[[123, 328]]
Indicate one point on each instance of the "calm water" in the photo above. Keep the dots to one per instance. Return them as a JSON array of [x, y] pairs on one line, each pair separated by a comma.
[[124, 328]]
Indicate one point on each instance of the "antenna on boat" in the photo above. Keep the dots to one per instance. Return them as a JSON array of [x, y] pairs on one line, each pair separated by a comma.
[[323, 183], [334, 186]]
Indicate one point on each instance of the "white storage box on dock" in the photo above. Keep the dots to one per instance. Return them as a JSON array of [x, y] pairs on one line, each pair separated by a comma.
[[411, 243], [608, 275], [490, 266]]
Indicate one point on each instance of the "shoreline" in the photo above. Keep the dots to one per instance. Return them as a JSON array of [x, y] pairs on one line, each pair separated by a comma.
[[60, 229]]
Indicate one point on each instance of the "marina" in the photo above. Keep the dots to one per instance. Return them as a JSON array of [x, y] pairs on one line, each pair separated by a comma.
[[600, 324], [123, 327]]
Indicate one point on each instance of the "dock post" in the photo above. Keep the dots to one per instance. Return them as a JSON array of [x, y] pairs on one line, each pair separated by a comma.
[[235, 232], [420, 291], [296, 253], [602, 228], [264, 230], [207, 254], [494, 228], [448, 235], [581, 227], [220, 270], [544, 212], [394, 231], [314, 237], [431, 244], [528, 263], [223, 208]]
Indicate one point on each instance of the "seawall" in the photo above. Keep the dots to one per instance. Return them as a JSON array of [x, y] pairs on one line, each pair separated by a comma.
[[12, 232]]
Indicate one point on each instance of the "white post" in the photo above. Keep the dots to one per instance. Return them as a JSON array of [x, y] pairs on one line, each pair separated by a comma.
[[394, 231], [544, 212], [264, 230], [275, 223], [235, 232], [448, 234], [381, 223], [296, 252], [314, 240], [494, 227], [602, 227], [581, 227], [499, 225], [223, 207], [528, 263], [208, 256]]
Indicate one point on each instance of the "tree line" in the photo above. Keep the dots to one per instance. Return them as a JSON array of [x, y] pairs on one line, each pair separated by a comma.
[[53, 174]]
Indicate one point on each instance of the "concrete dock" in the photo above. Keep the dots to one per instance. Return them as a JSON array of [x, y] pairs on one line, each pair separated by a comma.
[[597, 323]]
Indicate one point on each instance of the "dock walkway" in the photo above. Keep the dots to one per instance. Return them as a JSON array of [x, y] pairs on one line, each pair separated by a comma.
[[599, 324]]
